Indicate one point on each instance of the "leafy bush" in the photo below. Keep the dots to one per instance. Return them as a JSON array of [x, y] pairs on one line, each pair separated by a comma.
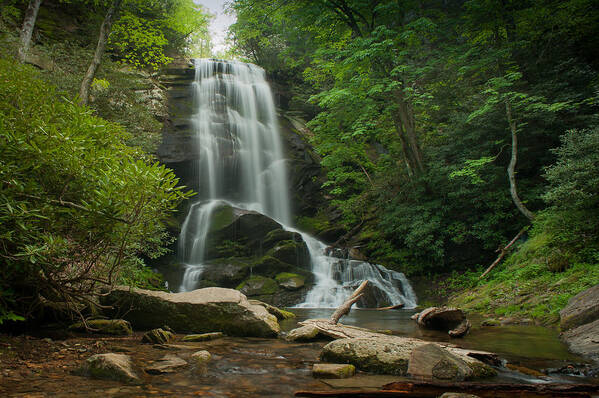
[[77, 206]]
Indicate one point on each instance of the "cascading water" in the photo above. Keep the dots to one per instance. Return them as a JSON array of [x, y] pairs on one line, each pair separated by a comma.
[[241, 163]]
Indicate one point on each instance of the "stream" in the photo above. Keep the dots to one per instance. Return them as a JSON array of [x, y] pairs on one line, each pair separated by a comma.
[[254, 367]]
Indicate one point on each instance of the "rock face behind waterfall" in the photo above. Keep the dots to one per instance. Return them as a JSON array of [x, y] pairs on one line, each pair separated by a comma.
[[199, 311]]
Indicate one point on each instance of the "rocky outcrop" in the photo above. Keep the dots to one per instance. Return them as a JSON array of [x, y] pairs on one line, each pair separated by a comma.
[[581, 309], [579, 320], [584, 340], [110, 366], [199, 311]]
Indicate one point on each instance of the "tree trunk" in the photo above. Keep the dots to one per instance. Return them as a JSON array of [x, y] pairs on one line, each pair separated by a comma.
[[100, 48], [511, 170], [27, 29], [404, 123], [346, 306]]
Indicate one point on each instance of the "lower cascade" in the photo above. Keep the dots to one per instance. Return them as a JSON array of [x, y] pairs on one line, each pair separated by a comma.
[[242, 180]]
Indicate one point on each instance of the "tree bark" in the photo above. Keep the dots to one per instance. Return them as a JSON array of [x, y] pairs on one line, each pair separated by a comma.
[[27, 29], [511, 170], [100, 48], [503, 252]]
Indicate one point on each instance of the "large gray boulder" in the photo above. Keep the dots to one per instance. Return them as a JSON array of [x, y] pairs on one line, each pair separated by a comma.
[[581, 309], [584, 340], [212, 309], [390, 355], [431, 362]]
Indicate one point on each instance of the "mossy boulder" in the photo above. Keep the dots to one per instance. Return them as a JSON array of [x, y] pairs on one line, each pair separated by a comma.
[[117, 327], [204, 336], [290, 281], [333, 370], [199, 311], [157, 336], [277, 235], [258, 286], [278, 312], [291, 252]]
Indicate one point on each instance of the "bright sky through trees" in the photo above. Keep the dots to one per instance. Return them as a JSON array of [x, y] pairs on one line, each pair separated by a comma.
[[220, 23]]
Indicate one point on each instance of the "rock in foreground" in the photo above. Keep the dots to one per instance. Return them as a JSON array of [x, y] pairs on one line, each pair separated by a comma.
[[391, 355], [431, 362], [581, 309], [110, 366], [199, 311]]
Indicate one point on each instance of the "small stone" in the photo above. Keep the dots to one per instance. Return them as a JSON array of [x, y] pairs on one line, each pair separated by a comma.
[[167, 364], [110, 366], [201, 357], [333, 370], [157, 336], [304, 333], [203, 336], [457, 395]]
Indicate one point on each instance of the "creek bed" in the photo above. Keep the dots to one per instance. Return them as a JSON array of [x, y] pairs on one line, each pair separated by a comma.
[[252, 367]]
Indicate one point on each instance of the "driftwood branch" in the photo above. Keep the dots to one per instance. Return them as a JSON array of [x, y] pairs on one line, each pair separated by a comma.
[[346, 306], [431, 389], [503, 252], [392, 307]]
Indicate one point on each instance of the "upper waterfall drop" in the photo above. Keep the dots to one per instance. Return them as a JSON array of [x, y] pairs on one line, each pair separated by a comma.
[[241, 164]]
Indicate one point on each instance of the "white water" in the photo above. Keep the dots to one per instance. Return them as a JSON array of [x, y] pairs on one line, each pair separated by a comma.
[[241, 163]]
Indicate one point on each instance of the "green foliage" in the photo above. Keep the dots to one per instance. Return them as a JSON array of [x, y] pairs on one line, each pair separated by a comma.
[[388, 79], [77, 206]]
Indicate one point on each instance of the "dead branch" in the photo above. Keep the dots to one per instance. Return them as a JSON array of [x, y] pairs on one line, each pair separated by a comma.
[[346, 306], [503, 252]]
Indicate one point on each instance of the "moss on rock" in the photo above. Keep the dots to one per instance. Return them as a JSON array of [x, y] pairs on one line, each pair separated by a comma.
[[258, 286]]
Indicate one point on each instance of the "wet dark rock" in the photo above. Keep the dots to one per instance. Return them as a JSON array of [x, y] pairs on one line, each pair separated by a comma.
[[490, 322], [291, 252], [581, 309], [157, 336], [228, 272], [331, 235], [117, 327]]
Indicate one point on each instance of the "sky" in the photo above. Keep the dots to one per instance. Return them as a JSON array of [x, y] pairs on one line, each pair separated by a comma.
[[220, 23]]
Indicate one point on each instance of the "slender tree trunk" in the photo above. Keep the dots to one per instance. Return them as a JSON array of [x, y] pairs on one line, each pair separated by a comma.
[[27, 29], [511, 170], [404, 123], [100, 48]]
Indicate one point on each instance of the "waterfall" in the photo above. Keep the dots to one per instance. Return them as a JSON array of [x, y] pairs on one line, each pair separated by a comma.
[[241, 163]]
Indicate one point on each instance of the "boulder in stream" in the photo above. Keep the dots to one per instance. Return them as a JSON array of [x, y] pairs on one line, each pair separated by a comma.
[[110, 366], [333, 370], [431, 362], [167, 364], [157, 336], [199, 311]]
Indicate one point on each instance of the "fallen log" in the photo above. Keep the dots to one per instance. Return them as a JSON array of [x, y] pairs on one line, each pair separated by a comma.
[[346, 306], [393, 307], [503, 252], [483, 390]]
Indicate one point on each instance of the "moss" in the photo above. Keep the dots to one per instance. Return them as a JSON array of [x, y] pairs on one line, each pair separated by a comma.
[[258, 285], [221, 218], [117, 327], [313, 225]]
